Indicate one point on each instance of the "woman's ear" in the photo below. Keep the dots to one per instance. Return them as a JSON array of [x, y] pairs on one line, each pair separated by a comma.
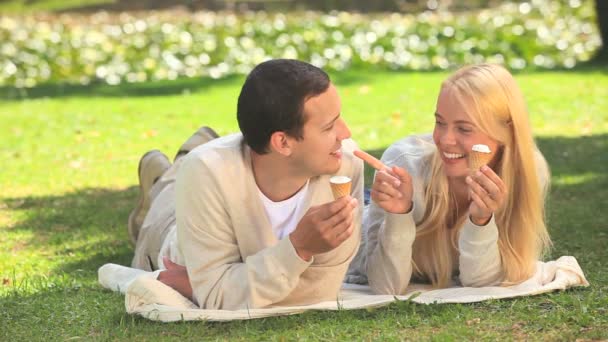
[[281, 143]]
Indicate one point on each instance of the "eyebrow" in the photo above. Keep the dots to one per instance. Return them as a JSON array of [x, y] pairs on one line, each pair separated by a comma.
[[457, 121], [332, 121]]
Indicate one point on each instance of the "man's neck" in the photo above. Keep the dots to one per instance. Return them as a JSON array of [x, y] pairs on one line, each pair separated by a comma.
[[275, 177]]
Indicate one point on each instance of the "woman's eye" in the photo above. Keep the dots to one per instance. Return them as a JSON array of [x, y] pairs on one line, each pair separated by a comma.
[[465, 130]]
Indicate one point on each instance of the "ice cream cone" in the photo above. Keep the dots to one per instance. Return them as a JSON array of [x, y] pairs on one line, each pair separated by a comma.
[[340, 186], [478, 156]]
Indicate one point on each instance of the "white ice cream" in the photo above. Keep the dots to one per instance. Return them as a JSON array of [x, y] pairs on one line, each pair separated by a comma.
[[481, 148], [339, 179]]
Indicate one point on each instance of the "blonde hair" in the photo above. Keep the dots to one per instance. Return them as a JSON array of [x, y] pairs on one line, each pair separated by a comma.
[[499, 111]]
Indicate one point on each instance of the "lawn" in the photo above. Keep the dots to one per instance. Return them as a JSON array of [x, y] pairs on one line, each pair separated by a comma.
[[69, 181]]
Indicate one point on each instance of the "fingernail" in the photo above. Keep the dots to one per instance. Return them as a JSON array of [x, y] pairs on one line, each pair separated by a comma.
[[478, 173], [468, 179], [484, 168], [397, 183]]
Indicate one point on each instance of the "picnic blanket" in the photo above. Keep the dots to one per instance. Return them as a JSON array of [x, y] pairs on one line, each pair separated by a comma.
[[148, 297]]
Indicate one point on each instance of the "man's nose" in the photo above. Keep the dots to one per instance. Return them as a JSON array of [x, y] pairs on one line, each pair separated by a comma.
[[344, 131]]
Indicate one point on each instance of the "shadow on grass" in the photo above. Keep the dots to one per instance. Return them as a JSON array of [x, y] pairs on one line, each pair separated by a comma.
[[83, 229], [152, 88]]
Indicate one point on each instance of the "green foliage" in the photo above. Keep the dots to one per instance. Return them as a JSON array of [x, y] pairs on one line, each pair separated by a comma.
[[132, 48], [69, 182]]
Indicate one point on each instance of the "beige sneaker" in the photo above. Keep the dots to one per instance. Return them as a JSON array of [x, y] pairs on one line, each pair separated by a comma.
[[152, 165], [201, 136]]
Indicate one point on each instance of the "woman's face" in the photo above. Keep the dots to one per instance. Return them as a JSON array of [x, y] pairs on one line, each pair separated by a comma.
[[455, 134]]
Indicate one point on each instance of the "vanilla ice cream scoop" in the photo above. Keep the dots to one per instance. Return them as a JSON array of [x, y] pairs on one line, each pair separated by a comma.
[[340, 186], [480, 155]]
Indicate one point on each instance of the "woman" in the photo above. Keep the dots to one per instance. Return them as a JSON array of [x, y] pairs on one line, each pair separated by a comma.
[[433, 218]]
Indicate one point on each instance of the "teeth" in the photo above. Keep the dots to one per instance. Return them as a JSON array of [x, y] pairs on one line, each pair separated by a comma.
[[452, 155]]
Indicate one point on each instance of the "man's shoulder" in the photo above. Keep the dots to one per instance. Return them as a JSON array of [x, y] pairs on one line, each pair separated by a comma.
[[221, 158], [219, 151]]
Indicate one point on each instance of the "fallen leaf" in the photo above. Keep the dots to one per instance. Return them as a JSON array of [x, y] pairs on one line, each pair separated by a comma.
[[473, 321], [364, 89]]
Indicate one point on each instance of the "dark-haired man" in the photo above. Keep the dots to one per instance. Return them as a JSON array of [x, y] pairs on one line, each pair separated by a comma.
[[251, 215]]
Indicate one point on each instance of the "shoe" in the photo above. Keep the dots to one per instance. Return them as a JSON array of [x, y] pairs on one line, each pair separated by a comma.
[[151, 167], [201, 136]]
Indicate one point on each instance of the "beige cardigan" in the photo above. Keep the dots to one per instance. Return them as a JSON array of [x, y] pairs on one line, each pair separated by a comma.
[[233, 259], [384, 259]]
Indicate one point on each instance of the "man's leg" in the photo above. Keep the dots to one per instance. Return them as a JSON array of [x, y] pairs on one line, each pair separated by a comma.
[[201, 136], [158, 224], [152, 166]]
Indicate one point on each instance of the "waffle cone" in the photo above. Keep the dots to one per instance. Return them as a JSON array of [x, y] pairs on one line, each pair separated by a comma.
[[477, 159], [340, 189]]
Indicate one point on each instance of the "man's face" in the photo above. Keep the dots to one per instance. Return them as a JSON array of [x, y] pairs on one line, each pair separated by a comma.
[[319, 151]]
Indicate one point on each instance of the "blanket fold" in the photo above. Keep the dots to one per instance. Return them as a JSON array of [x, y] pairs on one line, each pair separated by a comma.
[[148, 297]]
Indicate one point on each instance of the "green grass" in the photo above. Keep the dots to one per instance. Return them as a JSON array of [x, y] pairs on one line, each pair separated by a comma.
[[68, 181]]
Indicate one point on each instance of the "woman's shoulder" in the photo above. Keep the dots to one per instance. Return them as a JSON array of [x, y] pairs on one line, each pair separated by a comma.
[[411, 152]]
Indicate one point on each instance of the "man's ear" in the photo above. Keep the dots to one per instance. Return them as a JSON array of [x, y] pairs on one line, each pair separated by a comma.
[[281, 143]]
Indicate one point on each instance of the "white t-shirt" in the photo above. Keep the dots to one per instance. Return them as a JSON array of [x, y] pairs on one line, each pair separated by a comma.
[[285, 215]]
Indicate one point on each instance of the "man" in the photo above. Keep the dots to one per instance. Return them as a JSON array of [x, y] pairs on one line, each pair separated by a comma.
[[251, 216]]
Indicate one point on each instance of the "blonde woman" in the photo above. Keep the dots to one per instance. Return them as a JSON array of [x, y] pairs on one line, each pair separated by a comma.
[[435, 220]]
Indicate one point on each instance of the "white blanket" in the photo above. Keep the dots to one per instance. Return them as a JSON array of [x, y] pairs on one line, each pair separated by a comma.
[[148, 297]]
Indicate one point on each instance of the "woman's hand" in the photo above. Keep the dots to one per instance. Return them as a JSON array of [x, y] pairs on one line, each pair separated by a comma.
[[488, 193], [392, 190]]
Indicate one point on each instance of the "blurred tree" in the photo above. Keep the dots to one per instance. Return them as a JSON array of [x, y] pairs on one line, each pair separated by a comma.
[[601, 7]]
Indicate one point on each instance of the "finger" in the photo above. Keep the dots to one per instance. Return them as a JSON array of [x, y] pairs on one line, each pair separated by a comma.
[[479, 202], [385, 176], [487, 201], [330, 209], [342, 227], [487, 184], [475, 186], [494, 178], [401, 173], [380, 197], [340, 216], [346, 233], [481, 193], [387, 189]]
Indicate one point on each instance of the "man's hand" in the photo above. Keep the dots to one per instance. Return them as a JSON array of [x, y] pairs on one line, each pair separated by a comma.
[[176, 277], [324, 227], [392, 190]]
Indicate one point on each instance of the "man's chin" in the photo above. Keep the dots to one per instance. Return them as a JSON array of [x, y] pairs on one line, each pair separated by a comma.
[[334, 167]]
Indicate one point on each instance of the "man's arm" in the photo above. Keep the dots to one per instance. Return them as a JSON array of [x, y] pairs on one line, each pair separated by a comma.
[[219, 278]]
